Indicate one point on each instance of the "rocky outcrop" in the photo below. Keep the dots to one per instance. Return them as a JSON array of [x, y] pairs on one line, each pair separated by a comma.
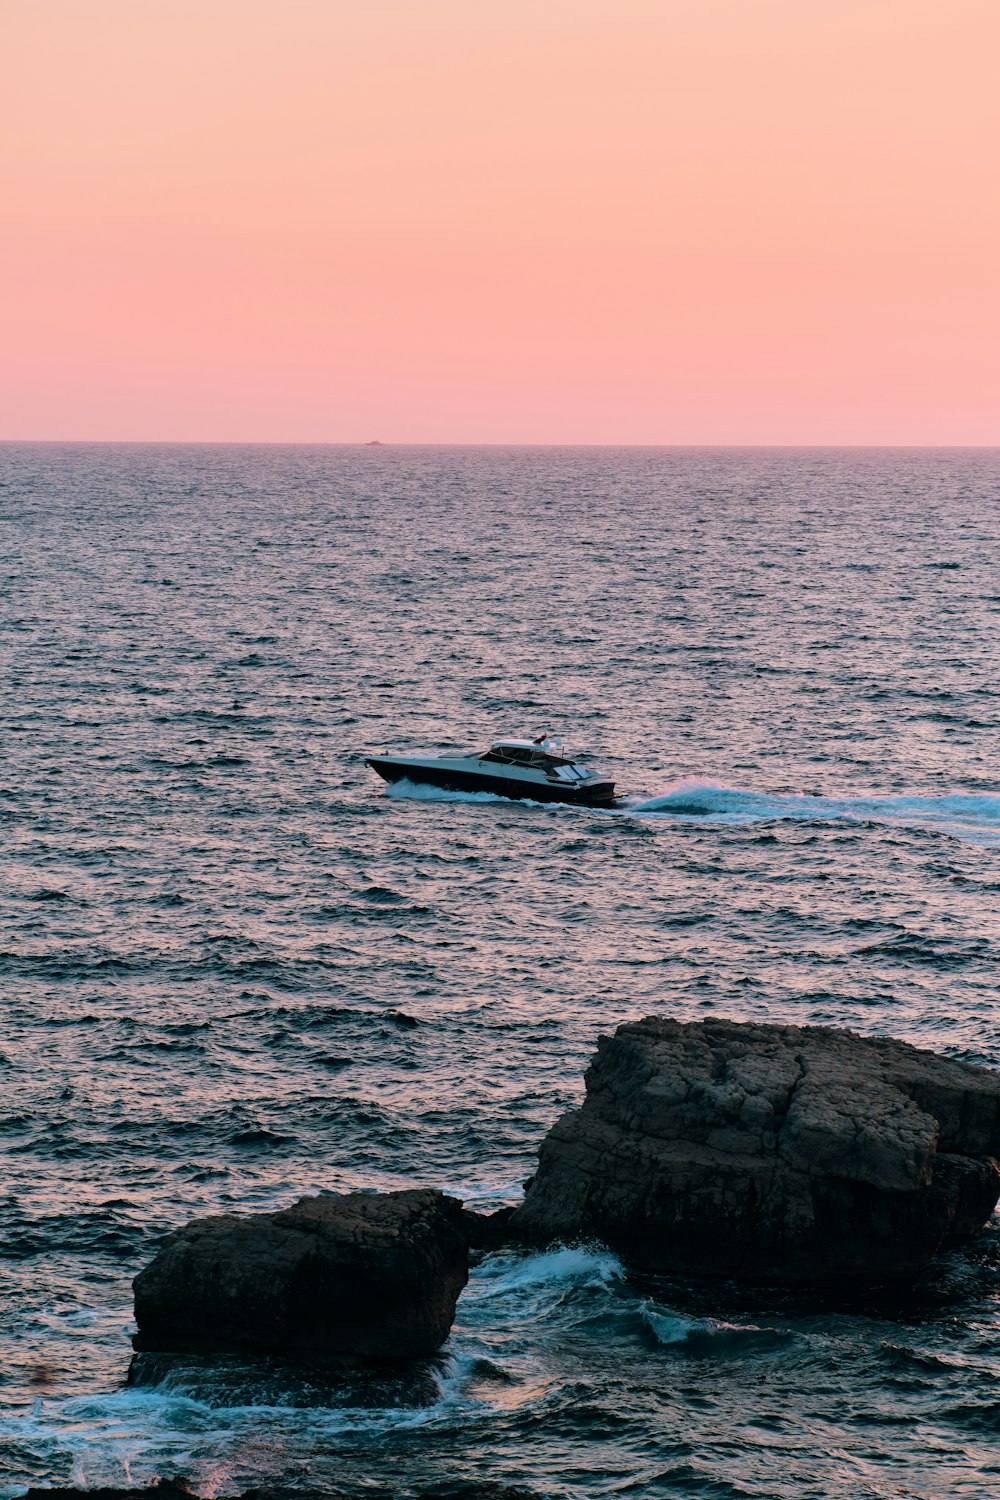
[[769, 1151], [375, 1275]]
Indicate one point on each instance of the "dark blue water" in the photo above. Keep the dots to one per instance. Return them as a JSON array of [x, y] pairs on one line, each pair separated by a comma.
[[218, 927]]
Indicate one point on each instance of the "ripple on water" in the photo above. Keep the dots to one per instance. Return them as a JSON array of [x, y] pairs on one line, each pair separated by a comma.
[[237, 969]]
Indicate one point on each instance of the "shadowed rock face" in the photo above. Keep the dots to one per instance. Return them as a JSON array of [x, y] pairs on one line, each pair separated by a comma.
[[769, 1151], [375, 1275]]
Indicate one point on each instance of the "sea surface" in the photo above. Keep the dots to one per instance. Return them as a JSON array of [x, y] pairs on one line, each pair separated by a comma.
[[235, 968]]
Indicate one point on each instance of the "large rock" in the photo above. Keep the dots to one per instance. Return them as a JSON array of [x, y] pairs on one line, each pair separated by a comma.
[[369, 1274], [769, 1151]]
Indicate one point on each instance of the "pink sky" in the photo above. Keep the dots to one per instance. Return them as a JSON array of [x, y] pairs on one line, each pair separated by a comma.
[[649, 221]]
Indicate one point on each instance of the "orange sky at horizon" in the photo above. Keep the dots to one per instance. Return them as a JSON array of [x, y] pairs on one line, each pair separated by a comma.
[[653, 221]]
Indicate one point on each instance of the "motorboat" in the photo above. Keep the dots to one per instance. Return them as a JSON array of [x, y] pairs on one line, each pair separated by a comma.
[[538, 770]]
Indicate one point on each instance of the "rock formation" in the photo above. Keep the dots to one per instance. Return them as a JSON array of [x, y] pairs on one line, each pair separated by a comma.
[[769, 1151], [375, 1275]]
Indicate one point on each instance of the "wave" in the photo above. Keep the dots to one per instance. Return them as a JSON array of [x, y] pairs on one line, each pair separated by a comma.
[[132, 1436], [710, 1337], [972, 816], [536, 1282]]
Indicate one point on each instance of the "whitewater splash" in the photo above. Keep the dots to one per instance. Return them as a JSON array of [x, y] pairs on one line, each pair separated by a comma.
[[535, 1280], [973, 817]]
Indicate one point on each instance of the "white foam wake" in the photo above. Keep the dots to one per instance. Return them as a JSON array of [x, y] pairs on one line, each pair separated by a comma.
[[422, 792], [972, 816]]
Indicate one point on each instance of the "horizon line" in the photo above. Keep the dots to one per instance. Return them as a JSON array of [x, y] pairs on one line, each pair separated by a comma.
[[10, 442]]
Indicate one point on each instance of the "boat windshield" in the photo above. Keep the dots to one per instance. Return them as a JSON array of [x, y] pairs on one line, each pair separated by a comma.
[[524, 755]]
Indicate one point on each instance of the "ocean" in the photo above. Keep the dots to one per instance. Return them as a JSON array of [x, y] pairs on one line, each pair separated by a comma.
[[236, 968]]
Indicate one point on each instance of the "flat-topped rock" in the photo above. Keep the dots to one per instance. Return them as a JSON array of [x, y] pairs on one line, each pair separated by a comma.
[[375, 1275], [769, 1151]]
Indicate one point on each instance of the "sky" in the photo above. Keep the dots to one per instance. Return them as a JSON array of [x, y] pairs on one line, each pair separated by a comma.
[[500, 221]]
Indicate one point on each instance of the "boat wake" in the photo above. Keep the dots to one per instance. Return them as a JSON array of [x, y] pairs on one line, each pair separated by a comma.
[[419, 791], [972, 817]]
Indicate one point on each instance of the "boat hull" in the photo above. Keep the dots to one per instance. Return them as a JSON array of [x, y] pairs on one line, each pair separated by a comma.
[[451, 778]]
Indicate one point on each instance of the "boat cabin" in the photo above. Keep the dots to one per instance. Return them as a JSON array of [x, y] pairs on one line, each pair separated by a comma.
[[539, 756]]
